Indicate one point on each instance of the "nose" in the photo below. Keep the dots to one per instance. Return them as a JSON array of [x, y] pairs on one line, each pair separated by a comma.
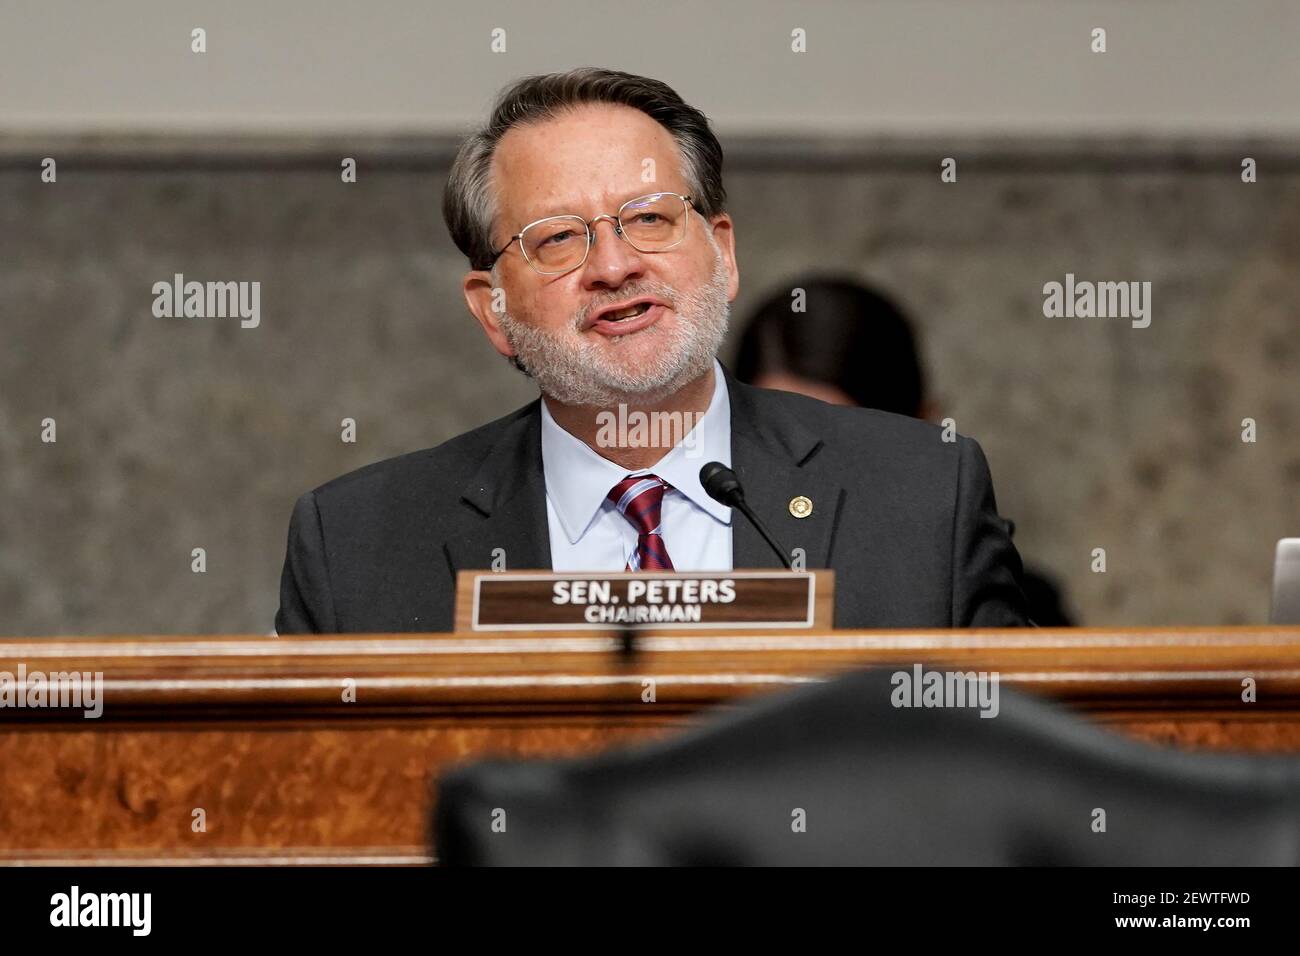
[[611, 261]]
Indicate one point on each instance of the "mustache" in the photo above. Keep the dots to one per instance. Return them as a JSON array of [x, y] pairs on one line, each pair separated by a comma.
[[665, 292]]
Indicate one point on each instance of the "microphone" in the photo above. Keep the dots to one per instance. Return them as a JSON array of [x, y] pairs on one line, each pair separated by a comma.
[[722, 485]]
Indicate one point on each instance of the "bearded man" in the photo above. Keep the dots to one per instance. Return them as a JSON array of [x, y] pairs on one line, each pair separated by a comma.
[[603, 264]]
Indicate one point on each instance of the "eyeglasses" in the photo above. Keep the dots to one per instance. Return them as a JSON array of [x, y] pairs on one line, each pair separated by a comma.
[[559, 244]]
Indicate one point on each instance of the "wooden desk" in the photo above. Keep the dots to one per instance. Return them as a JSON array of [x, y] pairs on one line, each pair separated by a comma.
[[256, 733]]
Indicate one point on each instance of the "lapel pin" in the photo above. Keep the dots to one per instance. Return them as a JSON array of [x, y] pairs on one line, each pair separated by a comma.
[[800, 506]]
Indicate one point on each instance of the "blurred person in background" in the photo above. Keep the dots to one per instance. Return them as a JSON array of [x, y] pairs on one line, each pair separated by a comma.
[[854, 346]]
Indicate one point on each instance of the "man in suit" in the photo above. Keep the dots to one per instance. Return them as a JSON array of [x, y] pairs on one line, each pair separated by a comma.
[[603, 265]]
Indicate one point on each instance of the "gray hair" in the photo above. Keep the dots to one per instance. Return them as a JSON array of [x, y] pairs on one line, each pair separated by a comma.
[[469, 205]]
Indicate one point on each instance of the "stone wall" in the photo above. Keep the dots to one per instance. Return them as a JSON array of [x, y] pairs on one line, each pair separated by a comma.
[[176, 434]]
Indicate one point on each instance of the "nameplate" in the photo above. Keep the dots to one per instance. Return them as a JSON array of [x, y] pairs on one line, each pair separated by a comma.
[[645, 600]]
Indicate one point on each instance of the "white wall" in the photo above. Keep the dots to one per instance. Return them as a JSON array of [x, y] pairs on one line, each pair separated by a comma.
[[900, 66]]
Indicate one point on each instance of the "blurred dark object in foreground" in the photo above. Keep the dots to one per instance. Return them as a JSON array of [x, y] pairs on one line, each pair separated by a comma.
[[878, 785]]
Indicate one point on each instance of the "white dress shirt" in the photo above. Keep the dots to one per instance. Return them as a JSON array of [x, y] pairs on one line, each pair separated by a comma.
[[587, 532]]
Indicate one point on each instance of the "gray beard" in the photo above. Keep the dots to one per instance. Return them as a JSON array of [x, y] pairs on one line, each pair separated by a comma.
[[573, 372]]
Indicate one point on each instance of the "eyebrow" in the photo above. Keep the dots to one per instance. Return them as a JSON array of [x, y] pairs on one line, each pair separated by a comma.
[[558, 209]]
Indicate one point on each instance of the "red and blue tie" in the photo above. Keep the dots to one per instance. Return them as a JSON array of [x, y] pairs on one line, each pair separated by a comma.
[[639, 499]]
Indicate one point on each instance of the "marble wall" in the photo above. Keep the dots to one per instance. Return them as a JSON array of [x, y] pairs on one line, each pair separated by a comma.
[[176, 434]]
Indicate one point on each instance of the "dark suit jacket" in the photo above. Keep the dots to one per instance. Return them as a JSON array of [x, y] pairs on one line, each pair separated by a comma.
[[907, 520]]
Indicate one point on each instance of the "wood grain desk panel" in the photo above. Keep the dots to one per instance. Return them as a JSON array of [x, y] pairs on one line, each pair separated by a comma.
[[256, 733]]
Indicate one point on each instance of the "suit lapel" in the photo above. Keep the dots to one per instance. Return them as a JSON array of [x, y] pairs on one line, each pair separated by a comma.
[[775, 455], [504, 504]]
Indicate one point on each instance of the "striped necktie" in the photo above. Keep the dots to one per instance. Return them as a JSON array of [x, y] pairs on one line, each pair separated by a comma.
[[639, 499]]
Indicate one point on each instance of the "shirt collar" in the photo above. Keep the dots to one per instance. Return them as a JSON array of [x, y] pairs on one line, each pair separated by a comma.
[[578, 479]]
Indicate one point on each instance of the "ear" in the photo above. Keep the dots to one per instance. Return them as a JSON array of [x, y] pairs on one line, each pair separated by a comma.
[[483, 299], [724, 234]]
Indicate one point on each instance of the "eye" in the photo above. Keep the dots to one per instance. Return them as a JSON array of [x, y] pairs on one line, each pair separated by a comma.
[[558, 237]]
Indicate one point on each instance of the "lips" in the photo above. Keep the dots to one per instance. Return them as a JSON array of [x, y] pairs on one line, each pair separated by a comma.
[[605, 323]]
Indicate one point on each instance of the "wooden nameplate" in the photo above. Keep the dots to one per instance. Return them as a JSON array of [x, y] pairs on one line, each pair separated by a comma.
[[645, 600]]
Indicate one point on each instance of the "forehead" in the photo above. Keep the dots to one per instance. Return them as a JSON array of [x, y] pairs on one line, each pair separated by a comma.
[[586, 161]]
